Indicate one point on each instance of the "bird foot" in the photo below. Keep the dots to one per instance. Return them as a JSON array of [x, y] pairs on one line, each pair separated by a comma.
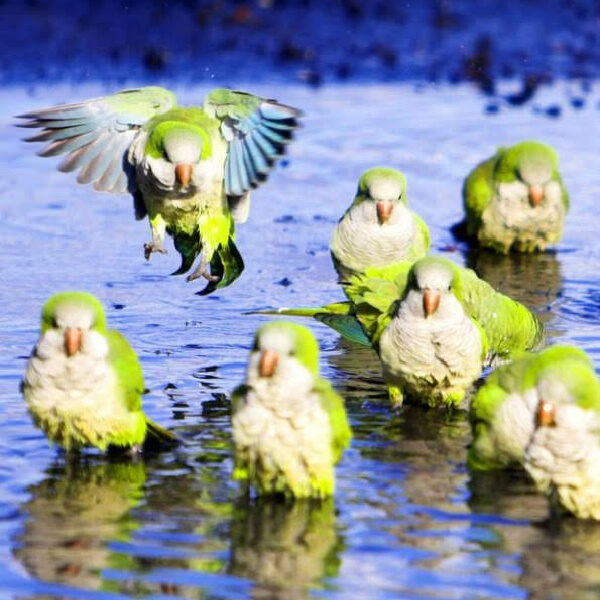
[[202, 271], [151, 247]]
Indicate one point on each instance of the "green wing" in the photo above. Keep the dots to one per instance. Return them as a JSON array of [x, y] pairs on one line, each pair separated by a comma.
[[509, 326], [374, 295], [333, 404], [96, 134], [478, 190], [127, 366], [421, 248], [257, 131]]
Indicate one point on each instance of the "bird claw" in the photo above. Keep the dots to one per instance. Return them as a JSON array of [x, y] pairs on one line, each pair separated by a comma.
[[202, 271], [152, 247]]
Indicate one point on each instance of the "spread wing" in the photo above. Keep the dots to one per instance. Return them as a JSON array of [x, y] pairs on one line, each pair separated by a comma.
[[257, 131], [96, 134]]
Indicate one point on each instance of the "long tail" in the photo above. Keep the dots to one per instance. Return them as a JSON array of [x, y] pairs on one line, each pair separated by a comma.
[[338, 316], [158, 438]]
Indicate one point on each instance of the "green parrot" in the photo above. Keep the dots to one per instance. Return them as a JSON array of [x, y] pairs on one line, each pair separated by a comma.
[[190, 170], [542, 412], [83, 383], [434, 325], [289, 425], [378, 229], [516, 199]]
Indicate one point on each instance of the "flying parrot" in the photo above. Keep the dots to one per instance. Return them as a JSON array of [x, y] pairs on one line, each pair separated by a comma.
[[516, 199], [542, 412], [434, 325], [83, 383], [190, 170], [289, 425], [378, 229]]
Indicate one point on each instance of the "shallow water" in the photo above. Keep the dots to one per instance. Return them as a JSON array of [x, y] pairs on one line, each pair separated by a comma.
[[407, 520]]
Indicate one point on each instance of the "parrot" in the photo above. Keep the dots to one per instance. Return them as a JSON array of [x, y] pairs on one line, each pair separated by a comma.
[[542, 413], [190, 170], [378, 228], [435, 326], [516, 200], [289, 425], [83, 382]]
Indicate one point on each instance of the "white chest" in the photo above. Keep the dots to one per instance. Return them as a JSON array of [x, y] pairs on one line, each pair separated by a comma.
[[57, 387], [359, 243], [423, 352], [291, 436], [511, 217]]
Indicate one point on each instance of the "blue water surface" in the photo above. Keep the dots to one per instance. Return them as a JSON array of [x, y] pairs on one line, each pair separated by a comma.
[[407, 521]]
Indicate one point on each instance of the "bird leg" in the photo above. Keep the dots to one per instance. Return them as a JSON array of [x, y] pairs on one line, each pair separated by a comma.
[[158, 228], [202, 271]]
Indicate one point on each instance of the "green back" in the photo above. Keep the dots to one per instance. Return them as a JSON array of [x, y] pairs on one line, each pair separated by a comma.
[[509, 326]]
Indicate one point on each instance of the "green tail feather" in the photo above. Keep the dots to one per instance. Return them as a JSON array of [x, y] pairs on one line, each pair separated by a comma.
[[226, 264], [158, 438], [187, 245], [336, 315]]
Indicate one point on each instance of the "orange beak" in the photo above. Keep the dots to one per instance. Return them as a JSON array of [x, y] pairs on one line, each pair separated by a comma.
[[72, 341], [431, 301], [384, 210], [268, 363], [546, 414], [183, 172], [536, 195]]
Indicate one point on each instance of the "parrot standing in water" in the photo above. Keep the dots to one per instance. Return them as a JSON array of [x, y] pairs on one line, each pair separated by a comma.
[[289, 425], [434, 325], [542, 412], [190, 170], [516, 199], [378, 229], [83, 383]]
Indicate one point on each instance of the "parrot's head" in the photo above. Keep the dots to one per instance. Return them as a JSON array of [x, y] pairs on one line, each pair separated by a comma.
[[430, 290], [564, 448], [284, 356], [565, 377], [533, 164], [73, 323], [381, 193], [174, 151]]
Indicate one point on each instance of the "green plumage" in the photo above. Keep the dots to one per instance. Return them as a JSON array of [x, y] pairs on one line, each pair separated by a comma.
[[284, 442], [502, 217], [88, 395], [498, 443], [378, 229], [186, 167], [506, 328]]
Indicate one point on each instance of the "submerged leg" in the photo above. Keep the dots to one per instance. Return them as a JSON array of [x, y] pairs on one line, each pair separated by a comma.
[[158, 227]]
